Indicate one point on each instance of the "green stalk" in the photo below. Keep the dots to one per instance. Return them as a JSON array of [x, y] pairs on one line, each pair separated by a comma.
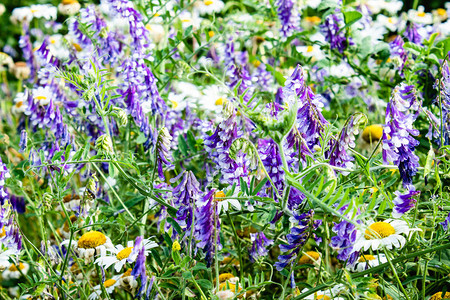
[[395, 274]]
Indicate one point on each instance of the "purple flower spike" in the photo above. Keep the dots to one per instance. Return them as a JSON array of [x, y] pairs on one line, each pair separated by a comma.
[[398, 143], [404, 202], [331, 29], [289, 17], [207, 226]]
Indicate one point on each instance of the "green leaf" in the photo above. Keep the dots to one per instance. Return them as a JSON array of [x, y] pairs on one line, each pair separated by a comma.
[[174, 224], [187, 275], [205, 283], [278, 76], [351, 17], [445, 46], [199, 266], [182, 145], [413, 48], [191, 141], [259, 186], [156, 256]]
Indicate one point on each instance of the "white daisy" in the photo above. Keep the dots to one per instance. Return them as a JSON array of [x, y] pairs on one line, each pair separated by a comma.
[[311, 51], [156, 32], [382, 234], [5, 257], [188, 19], [390, 23], [13, 271], [45, 11], [213, 99], [90, 244], [128, 282], [420, 16], [224, 203], [209, 6], [69, 7], [367, 261], [121, 255], [109, 285], [21, 14], [20, 103], [42, 95]]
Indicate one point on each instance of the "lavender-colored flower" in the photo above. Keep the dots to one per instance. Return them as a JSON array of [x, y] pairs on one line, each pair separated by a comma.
[[218, 146], [338, 148], [344, 240], [149, 288], [207, 226], [398, 53], [4, 174], [27, 52], [404, 202], [297, 238], [398, 143], [186, 194], [23, 141], [140, 37], [134, 108], [162, 151], [445, 100], [237, 70], [17, 203], [445, 224], [412, 34], [139, 270], [263, 78], [331, 29], [271, 159], [259, 246], [289, 17], [311, 122]]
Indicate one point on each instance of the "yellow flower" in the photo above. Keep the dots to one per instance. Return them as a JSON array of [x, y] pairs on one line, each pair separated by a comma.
[[310, 257], [91, 239], [372, 133], [438, 296], [176, 246]]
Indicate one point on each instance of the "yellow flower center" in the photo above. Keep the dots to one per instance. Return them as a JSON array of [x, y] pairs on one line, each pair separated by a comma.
[[3, 233], [225, 276], [372, 133], [219, 101], [441, 12], [391, 21], [218, 195], [91, 239], [366, 257], [313, 19], [108, 283], [174, 104], [309, 258], [40, 98], [323, 297], [208, 2], [211, 33], [127, 273], [309, 49], [421, 14], [176, 246], [124, 253], [185, 20], [439, 296], [13, 267], [77, 47], [67, 2], [379, 230]]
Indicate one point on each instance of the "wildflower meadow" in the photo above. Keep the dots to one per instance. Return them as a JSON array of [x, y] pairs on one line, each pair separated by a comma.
[[225, 149]]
